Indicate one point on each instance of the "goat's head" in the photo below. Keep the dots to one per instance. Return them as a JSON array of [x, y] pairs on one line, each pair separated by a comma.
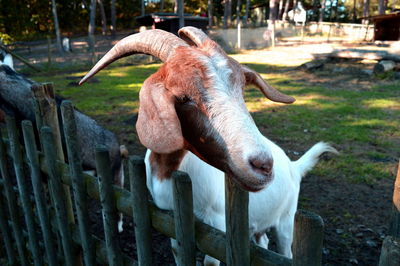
[[195, 102]]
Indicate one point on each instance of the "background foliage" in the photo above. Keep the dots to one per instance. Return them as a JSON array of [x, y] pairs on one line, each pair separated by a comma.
[[33, 19]]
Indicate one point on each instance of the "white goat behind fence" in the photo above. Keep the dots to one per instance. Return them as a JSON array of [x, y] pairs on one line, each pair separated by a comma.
[[273, 207]]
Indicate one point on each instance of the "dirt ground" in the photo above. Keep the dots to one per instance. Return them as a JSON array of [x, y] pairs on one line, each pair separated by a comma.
[[356, 216]]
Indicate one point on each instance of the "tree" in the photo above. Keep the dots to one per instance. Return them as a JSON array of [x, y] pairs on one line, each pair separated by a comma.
[[285, 12], [238, 11], [280, 10], [56, 25], [142, 8], [103, 17], [180, 13], [382, 7], [322, 11], [210, 13], [246, 16], [273, 10], [272, 17], [227, 13], [162, 6], [366, 11], [113, 18], [92, 20]]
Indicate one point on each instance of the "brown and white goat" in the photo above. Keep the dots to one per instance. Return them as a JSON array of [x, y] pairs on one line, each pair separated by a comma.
[[195, 102]]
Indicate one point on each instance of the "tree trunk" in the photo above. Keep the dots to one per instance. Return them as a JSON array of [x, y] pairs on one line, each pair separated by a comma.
[[246, 16], [366, 11], [238, 11], [56, 25], [273, 10], [272, 17], [92, 20], [354, 11], [322, 11], [180, 13], [336, 10], [285, 13], [162, 6], [280, 10], [210, 13], [103, 17], [142, 8], [315, 10], [113, 18], [227, 13], [381, 7]]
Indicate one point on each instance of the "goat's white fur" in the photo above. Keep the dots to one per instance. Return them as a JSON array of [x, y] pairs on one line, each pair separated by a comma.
[[274, 206], [227, 107]]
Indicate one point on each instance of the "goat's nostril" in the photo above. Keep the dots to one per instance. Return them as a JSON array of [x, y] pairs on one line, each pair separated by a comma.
[[262, 164]]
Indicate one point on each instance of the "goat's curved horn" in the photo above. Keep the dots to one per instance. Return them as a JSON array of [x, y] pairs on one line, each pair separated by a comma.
[[193, 36], [158, 43], [270, 92]]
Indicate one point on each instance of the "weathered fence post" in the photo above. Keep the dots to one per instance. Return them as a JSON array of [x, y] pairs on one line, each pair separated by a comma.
[[16, 222], [108, 206], [5, 232], [390, 252], [78, 184], [184, 219], [308, 237], [57, 192], [141, 215], [394, 226], [36, 178], [45, 100], [23, 190], [237, 224]]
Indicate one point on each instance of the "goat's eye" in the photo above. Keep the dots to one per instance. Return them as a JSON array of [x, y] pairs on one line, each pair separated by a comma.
[[184, 99]]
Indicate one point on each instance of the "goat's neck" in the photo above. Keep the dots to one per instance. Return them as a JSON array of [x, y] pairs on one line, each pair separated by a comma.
[[162, 165]]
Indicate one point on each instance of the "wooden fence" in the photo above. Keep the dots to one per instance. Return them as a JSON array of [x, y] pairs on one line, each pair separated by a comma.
[[54, 226]]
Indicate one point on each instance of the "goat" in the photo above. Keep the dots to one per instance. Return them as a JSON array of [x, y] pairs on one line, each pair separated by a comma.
[[195, 102], [273, 206]]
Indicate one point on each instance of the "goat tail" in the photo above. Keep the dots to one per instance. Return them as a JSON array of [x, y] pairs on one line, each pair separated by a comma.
[[310, 158]]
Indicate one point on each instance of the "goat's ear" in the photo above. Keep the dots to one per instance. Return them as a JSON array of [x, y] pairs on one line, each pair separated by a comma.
[[253, 78], [158, 125]]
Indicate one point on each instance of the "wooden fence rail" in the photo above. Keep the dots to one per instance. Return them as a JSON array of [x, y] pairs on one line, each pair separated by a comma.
[[48, 208]]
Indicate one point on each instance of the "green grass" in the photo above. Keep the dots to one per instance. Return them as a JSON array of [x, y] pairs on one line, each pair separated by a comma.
[[362, 124]]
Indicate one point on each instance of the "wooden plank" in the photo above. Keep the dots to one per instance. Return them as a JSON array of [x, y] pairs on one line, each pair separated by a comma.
[[184, 218], [237, 224], [5, 232], [40, 200], [308, 237], [23, 190], [57, 192], [140, 207], [108, 205], [390, 253], [394, 226], [78, 184], [16, 224], [45, 101]]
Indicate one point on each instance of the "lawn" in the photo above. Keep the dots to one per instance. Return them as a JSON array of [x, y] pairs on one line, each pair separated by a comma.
[[360, 117]]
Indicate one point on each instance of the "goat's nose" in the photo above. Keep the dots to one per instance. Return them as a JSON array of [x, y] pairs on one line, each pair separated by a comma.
[[262, 164]]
